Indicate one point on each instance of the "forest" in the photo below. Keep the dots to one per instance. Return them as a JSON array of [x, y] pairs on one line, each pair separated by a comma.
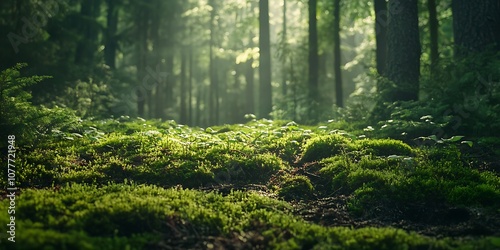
[[250, 124]]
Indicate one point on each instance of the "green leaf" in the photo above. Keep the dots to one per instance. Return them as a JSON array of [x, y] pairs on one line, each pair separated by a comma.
[[455, 138], [468, 143]]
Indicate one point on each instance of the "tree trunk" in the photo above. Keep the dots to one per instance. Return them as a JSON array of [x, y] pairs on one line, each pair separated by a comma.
[[381, 15], [141, 46], [190, 88], [476, 25], [213, 82], [87, 45], [336, 55], [403, 51], [111, 28], [284, 56], [265, 90], [249, 79], [313, 52], [183, 106], [433, 28]]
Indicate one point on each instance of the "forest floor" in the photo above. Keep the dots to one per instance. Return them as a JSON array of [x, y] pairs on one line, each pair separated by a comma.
[[136, 184]]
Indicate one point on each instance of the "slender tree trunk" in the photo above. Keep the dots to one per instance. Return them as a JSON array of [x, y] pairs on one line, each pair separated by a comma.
[[197, 119], [433, 27], [190, 88], [313, 51], [111, 28], [249, 79], [265, 90], [336, 55], [381, 15], [403, 47], [284, 56], [154, 59], [141, 22], [183, 106], [213, 82], [476, 25]]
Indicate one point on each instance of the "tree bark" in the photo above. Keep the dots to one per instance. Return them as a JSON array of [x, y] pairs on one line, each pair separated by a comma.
[[111, 28], [433, 28], [183, 106], [141, 46], [87, 45], [476, 25], [249, 79], [285, 48], [213, 95], [381, 15], [313, 51], [336, 55], [265, 90], [403, 51]]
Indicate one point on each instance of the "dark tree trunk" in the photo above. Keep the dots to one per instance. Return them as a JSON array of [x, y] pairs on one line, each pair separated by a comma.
[[111, 28], [142, 36], [381, 15], [476, 25], [336, 55], [403, 51], [433, 28], [313, 51], [265, 90], [87, 46]]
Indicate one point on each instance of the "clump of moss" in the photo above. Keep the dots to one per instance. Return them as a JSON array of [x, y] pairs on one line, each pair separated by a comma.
[[296, 187], [384, 147], [324, 146]]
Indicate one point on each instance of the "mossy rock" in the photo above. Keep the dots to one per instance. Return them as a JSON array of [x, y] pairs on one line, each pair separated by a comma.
[[321, 147], [296, 187]]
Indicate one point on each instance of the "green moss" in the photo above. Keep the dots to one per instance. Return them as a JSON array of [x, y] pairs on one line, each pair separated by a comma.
[[384, 147], [296, 187], [321, 147]]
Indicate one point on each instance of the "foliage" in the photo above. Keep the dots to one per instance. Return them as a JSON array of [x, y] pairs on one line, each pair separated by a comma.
[[130, 182], [20, 117], [86, 216]]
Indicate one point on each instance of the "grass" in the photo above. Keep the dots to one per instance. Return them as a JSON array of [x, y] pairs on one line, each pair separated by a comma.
[[134, 184]]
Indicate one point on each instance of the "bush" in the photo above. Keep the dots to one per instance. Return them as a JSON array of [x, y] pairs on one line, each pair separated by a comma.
[[20, 117]]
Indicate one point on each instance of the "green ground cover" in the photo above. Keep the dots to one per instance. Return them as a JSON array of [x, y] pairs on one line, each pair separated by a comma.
[[134, 184]]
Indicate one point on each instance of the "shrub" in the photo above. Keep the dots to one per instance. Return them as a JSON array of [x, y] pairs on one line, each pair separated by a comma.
[[20, 117]]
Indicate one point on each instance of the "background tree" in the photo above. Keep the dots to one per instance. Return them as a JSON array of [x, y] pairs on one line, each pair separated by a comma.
[[475, 25], [433, 28], [339, 97], [403, 51], [313, 55], [265, 90], [381, 15]]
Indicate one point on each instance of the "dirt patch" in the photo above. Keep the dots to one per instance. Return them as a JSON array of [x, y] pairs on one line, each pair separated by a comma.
[[438, 221]]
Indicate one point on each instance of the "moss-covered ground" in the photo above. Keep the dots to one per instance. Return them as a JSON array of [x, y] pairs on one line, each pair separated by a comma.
[[134, 184]]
